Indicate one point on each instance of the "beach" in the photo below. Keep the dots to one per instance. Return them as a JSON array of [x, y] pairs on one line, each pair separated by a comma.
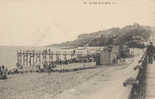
[[38, 85], [68, 81], [57, 84]]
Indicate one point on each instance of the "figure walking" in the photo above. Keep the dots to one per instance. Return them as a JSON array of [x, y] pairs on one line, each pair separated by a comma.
[[150, 53]]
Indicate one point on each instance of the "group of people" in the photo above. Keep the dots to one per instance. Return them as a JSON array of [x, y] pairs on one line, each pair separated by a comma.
[[3, 72]]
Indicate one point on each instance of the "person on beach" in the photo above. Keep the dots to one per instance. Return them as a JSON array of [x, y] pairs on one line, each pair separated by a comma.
[[0, 71], [150, 52], [4, 71], [74, 52]]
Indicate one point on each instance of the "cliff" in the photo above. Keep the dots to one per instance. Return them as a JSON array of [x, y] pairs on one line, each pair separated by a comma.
[[133, 35]]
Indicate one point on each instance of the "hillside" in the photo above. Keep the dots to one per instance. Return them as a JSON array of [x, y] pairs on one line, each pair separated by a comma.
[[132, 35]]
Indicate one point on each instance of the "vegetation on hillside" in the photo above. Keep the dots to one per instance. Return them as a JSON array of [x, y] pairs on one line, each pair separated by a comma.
[[132, 35]]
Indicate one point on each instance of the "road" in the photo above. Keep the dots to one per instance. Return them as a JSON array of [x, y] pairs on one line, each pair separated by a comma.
[[106, 85]]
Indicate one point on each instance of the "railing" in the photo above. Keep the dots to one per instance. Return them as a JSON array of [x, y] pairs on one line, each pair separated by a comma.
[[138, 83]]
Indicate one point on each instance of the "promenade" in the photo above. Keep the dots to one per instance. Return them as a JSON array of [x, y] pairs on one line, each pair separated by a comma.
[[150, 82]]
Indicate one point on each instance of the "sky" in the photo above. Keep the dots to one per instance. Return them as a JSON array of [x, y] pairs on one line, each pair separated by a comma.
[[44, 22]]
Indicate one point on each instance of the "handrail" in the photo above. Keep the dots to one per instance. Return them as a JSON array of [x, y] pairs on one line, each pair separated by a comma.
[[138, 83]]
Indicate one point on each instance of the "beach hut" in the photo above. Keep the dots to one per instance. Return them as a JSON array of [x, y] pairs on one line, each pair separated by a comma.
[[107, 56], [124, 51], [103, 57]]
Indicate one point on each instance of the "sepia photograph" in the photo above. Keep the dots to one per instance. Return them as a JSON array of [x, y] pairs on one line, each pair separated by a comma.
[[77, 49]]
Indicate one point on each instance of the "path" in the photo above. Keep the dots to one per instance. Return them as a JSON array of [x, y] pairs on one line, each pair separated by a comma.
[[107, 85], [150, 78], [150, 81]]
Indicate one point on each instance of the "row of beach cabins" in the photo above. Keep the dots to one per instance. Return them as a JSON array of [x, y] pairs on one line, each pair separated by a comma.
[[47, 59]]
